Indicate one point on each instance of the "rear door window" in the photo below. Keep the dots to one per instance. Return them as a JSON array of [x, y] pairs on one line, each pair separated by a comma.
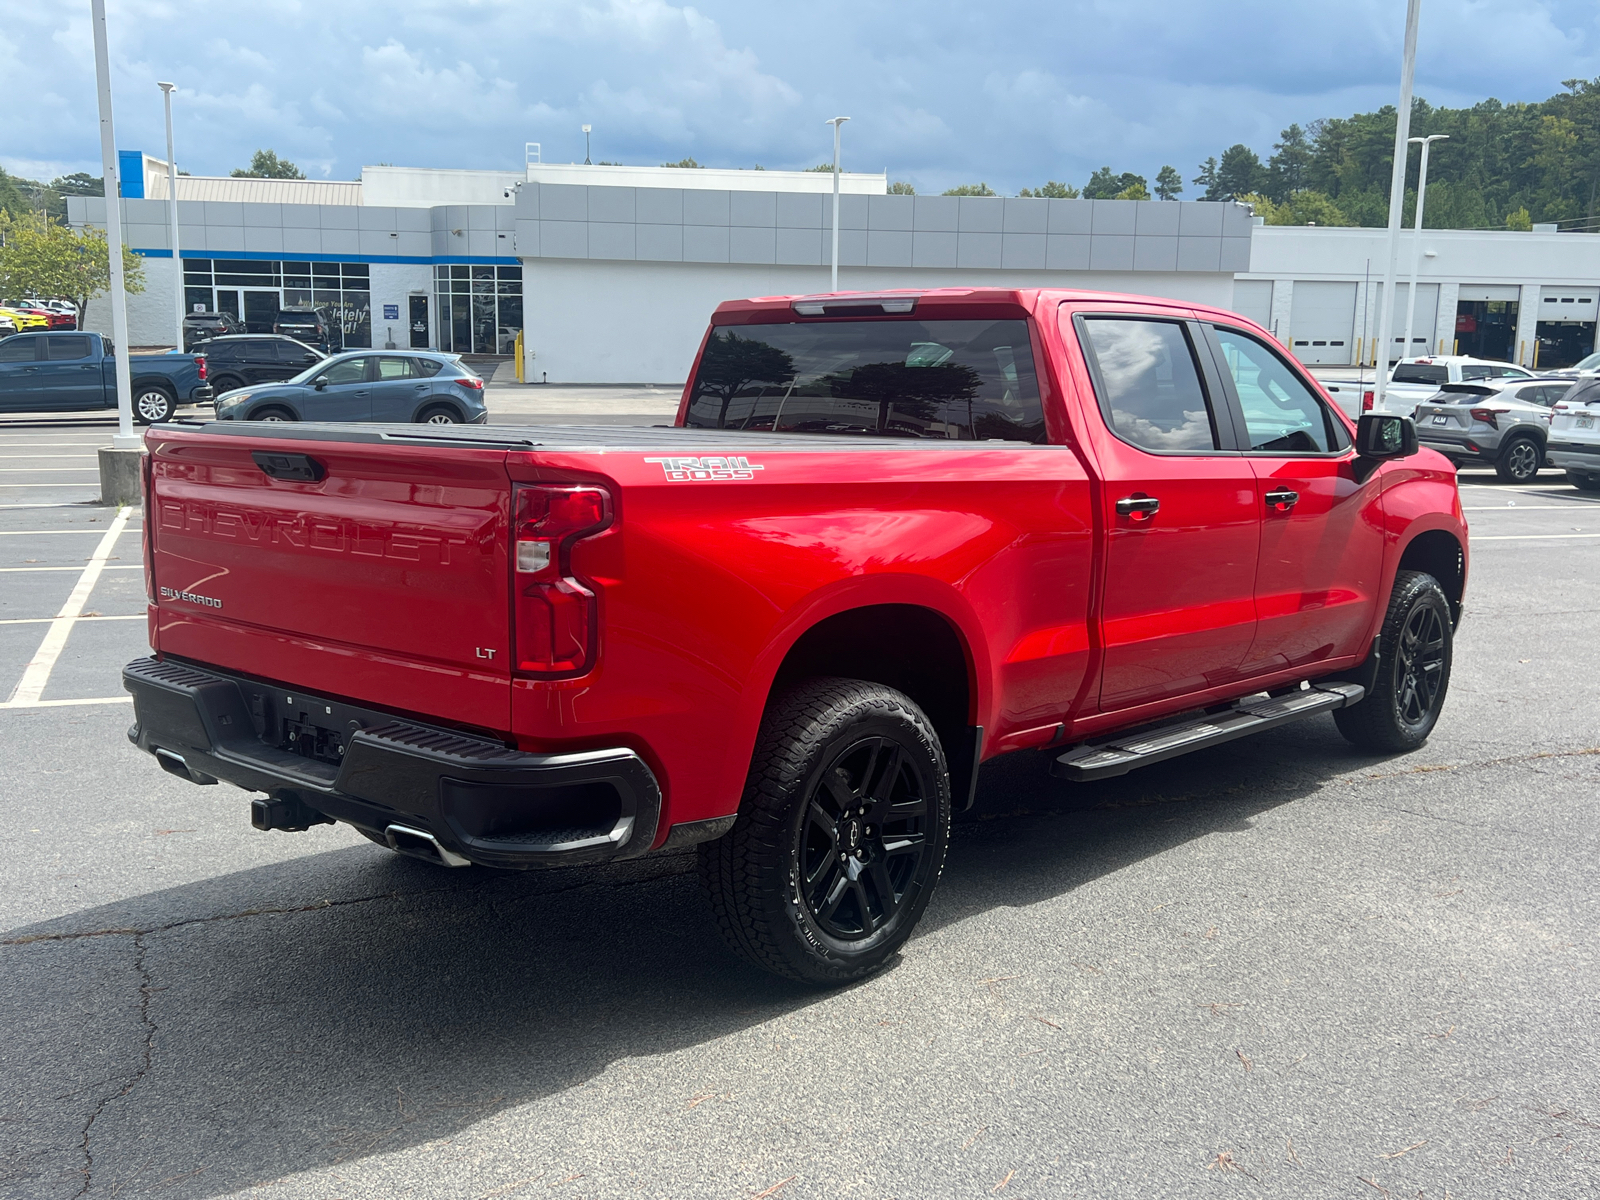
[[924, 379], [1149, 384], [1474, 371], [295, 355], [1415, 373], [393, 368], [20, 350], [63, 348]]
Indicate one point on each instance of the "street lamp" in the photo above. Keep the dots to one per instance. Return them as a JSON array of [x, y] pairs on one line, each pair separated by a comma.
[[586, 161], [1397, 197], [836, 122], [1416, 239], [172, 214]]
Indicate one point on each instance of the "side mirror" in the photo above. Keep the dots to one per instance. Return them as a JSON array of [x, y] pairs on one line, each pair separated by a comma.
[[321, 381], [1381, 436]]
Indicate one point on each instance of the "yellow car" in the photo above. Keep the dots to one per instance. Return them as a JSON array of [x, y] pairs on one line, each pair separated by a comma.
[[26, 322]]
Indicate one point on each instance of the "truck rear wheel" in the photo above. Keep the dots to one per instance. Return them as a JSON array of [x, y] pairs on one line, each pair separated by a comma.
[[841, 834], [152, 405], [1414, 654]]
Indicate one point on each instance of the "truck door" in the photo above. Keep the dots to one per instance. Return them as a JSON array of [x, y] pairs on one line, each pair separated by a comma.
[[19, 374], [1182, 517], [1321, 553], [70, 377]]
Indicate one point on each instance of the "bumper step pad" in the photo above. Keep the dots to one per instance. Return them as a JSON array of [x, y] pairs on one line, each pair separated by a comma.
[[1152, 744]]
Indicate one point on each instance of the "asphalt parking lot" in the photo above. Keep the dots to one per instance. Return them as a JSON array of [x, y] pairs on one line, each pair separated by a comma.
[[1275, 968]]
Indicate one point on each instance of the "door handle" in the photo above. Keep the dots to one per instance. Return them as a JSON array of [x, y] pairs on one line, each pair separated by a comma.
[[1140, 507], [1282, 499]]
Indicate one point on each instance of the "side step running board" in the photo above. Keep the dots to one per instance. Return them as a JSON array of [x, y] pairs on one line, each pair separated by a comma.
[[1140, 747]]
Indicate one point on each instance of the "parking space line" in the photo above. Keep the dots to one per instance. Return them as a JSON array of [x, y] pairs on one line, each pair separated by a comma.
[[1532, 537], [47, 620], [71, 703], [1521, 507], [78, 504], [37, 673], [47, 470], [54, 532], [108, 567]]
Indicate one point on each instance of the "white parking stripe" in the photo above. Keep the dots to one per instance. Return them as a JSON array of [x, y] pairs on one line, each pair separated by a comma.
[[1521, 507], [37, 673], [48, 470], [107, 567], [72, 703], [47, 620], [1533, 537], [80, 505], [53, 532]]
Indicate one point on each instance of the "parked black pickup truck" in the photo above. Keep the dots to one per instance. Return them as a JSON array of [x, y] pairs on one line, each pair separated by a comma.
[[60, 372]]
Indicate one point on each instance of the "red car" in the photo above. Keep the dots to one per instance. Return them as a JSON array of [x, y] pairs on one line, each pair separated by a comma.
[[891, 537], [58, 318]]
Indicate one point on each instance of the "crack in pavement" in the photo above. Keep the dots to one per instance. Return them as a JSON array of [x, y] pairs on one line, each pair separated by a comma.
[[146, 1056]]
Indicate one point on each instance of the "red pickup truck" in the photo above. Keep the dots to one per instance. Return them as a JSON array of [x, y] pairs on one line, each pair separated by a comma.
[[890, 536]]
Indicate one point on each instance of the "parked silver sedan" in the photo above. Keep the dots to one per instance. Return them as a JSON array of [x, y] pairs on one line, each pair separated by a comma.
[[1503, 423]]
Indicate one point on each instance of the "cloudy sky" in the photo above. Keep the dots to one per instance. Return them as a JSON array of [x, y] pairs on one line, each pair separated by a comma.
[[941, 92]]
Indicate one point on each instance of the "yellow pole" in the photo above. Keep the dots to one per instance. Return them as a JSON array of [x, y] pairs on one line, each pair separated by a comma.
[[516, 348], [1358, 350], [1456, 349], [1535, 354]]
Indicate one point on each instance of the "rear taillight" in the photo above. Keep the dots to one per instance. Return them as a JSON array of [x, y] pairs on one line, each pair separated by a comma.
[[555, 613], [471, 381], [200, 361], [1487, 416], [1366, 401]]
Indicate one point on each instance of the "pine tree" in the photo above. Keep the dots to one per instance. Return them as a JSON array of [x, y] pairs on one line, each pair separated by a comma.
[[1169, 184]]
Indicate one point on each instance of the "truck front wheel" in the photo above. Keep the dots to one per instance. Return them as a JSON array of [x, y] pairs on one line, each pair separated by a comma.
[[841, 834], [1414, 654]]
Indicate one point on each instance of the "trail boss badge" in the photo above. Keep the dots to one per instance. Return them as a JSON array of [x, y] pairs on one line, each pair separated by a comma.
[[709, 468]]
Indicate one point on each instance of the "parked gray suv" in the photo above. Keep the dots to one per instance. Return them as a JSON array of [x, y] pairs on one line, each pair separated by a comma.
[[1504, 423]]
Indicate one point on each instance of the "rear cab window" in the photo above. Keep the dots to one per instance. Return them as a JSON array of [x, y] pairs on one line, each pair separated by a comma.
[[1417, 373], [963, 380]]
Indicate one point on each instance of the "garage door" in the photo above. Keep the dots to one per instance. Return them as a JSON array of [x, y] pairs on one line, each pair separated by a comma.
[[1322, 322], [1252, 298], [1423, 325]]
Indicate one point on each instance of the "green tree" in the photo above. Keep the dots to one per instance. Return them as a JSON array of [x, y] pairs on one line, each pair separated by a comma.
[[11, 198], [80, 183], [265, 164], [1134, 191], [1207, 179], [684, 162], [44, 258], [1169, 184], [900, 188], [1052, 191], [1302, 208], [1239, 173], [826, 168], [1519, 221], [1103, 185], [971, 189], [1286, 169]]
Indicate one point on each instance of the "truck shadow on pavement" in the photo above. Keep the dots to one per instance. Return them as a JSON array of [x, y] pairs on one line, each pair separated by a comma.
[[292, 1017]]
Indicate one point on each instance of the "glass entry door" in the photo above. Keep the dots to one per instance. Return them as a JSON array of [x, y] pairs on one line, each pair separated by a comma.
[[228, 301], [260, 311]]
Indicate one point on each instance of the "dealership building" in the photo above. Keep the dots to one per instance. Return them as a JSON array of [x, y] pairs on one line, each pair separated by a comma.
[[609, 273]]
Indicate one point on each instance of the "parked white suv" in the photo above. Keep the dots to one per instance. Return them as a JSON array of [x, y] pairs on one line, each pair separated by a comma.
[[1574, 440], [1413, 380]]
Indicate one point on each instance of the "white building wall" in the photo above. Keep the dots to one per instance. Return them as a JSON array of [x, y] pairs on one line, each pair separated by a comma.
[[589, 321], [394, 283], [151, 313]]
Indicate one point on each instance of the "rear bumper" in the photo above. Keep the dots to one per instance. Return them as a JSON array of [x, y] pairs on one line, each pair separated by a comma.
[[1581, 456], [203, 393], [1459, 447], [490, 805]]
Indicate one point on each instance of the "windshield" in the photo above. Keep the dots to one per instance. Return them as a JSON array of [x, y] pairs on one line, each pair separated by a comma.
[[967, 380], [1415, 373], [1592, 363]]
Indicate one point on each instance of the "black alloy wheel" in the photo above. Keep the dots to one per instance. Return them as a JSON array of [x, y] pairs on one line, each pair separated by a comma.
[[863, 839], [1413, 675], [840, 837], [1420, 664], [1519, 461]]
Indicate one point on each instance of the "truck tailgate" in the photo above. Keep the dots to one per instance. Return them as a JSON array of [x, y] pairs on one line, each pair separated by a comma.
[[353, 566]]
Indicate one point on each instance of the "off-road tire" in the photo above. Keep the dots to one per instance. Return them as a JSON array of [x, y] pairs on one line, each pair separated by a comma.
[[1584, 481], [1520, 460], [1387, 721], [754, 875], [153, 404]]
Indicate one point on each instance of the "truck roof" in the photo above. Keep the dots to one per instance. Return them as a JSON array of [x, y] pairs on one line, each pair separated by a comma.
[[953, 303]]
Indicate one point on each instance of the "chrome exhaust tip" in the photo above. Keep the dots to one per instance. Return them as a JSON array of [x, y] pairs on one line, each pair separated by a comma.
[[418, 843]]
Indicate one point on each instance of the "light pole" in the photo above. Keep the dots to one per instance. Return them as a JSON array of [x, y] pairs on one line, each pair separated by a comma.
[[172, 215], [1416, 239], [586, 161], [124, 438], [1397, 197], [836, 122]]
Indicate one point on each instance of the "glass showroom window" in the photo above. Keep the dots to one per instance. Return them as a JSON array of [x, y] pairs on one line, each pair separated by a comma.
[[480, 307], [255, 289]]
